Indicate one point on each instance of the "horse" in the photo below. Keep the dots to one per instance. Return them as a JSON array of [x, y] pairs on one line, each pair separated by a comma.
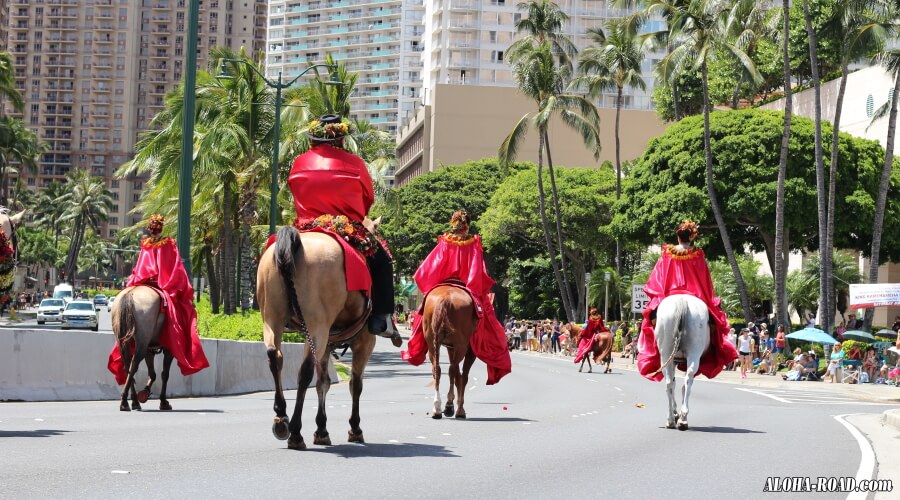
[[9, 272], [682, 327], [301, 281], [601, 347], [137, 322], [450, 320]]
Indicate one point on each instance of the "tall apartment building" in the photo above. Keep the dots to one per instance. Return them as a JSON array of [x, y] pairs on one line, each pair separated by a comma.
[[466, 41], [379, 39], [94, 73]]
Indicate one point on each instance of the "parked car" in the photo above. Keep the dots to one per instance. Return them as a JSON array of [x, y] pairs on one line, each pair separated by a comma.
[[50, 310], [109, 303], [80, 314], [100, 300]]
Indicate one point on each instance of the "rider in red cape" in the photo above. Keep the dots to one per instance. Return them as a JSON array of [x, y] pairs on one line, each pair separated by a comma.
[[459, 255], [682, 269], [333, 192], [594, 326], [159, 266]]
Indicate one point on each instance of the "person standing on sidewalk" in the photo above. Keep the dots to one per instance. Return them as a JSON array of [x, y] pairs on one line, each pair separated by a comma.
[[744, 342]]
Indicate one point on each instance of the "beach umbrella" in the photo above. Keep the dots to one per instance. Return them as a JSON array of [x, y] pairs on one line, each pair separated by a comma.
[[812, 335], [886, 332], [859, 335]]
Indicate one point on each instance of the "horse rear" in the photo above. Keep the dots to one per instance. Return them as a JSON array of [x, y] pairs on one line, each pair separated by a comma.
[[601, 349], [137, 322], [450, 320], [682, 327]]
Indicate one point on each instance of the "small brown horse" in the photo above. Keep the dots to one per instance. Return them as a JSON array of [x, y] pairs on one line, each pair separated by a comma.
[[601, 347], [137, 321], [450, 320], [302, 278]]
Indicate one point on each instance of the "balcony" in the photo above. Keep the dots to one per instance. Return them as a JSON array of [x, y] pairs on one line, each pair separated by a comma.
[[104, 14], [104, 27], [102, 90], [103, 64], [160, 6], [103, 39], [160, 55], [102, 76], [159, 67]]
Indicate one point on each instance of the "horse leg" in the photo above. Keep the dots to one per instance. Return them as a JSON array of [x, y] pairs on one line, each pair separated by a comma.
[[362, 350], [669, 374], [144, 394], [461, 383], [140, 352], [167, 364], [692, 366], [587, 357], [323, 383], [129, 364], [272, 336], [304, 378], [435, 355], [454, 382]]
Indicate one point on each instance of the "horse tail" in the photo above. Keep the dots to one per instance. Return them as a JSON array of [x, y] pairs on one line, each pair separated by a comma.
[[441, 325], [286, 247], [681, 313], [123, 322]]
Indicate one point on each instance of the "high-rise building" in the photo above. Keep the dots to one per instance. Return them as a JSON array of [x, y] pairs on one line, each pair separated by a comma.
[[466, 42], [94, 73], [378, 39]]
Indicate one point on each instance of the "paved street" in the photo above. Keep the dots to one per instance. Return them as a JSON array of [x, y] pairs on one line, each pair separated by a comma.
[[545, 431]]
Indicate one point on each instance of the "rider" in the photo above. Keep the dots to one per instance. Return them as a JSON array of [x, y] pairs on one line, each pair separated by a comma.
[[460, 256], [329, 181], [682, 269], [159, 266], [586, 337]]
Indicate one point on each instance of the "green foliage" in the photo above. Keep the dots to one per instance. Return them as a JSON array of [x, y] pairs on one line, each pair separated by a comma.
[[827, 49], [667, 185], [690, 97], [241, 326], [532, 289], [760, 287], [426, 204]]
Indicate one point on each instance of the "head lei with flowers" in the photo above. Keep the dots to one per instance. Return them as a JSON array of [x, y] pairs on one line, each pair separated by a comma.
[[155, 224], [328, 128], [688, 228], [459, 223], [595, 314]]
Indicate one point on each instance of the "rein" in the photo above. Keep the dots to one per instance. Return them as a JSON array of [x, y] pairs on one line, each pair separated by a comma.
[[674, 350]]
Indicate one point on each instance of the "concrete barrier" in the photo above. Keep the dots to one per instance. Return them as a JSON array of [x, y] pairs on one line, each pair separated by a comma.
[[52, 365]]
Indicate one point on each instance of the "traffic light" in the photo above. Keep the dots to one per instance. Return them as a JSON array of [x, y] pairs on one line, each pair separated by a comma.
[[62, 276]]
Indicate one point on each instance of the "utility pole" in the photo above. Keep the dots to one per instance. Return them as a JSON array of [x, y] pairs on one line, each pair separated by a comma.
[[186, 175], [606, 277]]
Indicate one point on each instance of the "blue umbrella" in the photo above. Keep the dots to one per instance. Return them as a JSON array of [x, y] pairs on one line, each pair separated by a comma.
[[812, 335]]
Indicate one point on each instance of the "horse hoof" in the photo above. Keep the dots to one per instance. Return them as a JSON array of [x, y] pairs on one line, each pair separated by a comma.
[[448, 411], [280, 428], [124, 407], [670, 425], [136, 406], [437, 415], [143, 396], [461, 415], [322, 440], [165, 406], [355, 437], [590, 371], [682, 426], [296, 443]]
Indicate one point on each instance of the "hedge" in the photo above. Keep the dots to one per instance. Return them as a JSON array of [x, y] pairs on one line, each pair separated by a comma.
[[239, 326]]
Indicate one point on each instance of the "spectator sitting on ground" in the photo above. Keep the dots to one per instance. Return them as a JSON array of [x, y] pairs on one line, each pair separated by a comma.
[[765, 363], [796, 370], [810, 367], [871, 363], [855, 354]]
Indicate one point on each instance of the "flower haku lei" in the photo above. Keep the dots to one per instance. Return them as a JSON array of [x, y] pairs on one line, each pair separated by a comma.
[[351, 231], [329, 130]]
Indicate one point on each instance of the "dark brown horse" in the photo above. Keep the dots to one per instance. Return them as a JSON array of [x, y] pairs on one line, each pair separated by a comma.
[[450, 320], [301, 280], [137, 321], [601, 346]]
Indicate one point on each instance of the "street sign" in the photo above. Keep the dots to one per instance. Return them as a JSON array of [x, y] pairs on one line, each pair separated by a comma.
[[639, 299]]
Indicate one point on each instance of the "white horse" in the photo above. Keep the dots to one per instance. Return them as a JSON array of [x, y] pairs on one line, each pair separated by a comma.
[[682, 331]]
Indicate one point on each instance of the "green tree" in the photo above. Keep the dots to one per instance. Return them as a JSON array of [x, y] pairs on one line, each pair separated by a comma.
[[8, 81], [18, 144], [87, 206], [36, 247], [543, 24], [48, 213], [690, 97], [779, 270], [759, 285], [613, 61]]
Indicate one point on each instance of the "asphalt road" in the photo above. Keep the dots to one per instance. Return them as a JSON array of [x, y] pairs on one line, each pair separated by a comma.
[[545, 431]]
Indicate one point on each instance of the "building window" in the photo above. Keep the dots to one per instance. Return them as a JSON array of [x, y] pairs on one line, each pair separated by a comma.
[[870, 106]]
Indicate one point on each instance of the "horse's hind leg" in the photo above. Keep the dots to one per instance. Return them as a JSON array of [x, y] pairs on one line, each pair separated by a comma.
[[167, 364], [435, 354], [461, 384], [686, 392], [669, 372], [129, 364], [140, 352], [454, 382], [304, 378], [144, 394], [323, 383], [272, 337], [362, 349]]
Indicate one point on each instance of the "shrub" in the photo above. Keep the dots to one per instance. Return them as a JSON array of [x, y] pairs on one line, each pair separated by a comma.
[[240, 326]]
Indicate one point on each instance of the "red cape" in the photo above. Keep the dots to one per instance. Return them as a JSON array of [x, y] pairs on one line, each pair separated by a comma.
[[684, 272], [160, 262], [586, 338], [327, 180], [356, 271], [463, 261]]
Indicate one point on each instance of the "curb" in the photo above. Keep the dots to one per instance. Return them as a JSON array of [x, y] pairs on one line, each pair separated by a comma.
[[892, 418]]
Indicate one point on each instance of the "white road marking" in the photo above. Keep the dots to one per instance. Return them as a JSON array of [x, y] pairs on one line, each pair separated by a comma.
[[121, 472], [621, 401], [39, 420], [446, 434], [201, 413], [818, 398], [574, 416], [421, 437], [526, 423], [393, 441], [618, 389], [590, 380], [866, 468]]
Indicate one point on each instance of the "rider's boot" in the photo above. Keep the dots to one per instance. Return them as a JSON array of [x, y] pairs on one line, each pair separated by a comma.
[[383, 326]]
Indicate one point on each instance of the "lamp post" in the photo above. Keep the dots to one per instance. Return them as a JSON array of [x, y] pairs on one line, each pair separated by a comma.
[[606, 277], [587, 293], [183, 234], [278, 85]]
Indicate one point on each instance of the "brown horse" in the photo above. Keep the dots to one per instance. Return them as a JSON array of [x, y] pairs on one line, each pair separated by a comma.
[[137, 321], [450, 320], [301, 281], [601, 346]]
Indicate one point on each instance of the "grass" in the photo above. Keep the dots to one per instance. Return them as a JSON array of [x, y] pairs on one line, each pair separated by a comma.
[[239, 326]]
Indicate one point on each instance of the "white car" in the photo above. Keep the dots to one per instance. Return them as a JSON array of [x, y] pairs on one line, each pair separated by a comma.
[[80, 314], [50, 310], [109, 303]]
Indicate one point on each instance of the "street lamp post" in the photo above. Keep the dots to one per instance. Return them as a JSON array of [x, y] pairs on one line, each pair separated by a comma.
[[278, 85], [183, 234], [587, 293], [606, 277]]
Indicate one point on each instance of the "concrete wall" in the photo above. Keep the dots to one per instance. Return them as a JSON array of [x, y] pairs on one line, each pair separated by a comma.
[[50, 365]]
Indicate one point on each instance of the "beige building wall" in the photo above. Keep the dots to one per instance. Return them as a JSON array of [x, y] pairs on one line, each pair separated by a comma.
[[467, 123], [94, 73]]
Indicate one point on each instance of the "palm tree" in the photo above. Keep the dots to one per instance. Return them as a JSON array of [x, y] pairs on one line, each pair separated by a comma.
[[613, 62], [18, 144], [539, 78], [8, 81], [782, 316], [48, 213], [696, 30], [748, 22], [87, 206], [543, 23]]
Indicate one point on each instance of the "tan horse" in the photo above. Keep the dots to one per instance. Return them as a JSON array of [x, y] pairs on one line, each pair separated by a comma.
[[137, 322], [301, 278], [601, 346], [449, 320]]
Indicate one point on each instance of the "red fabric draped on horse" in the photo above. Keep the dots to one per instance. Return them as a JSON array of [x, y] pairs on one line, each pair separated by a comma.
[[594, 340]]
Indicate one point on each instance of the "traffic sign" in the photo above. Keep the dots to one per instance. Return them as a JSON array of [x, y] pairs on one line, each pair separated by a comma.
[[639, 299]]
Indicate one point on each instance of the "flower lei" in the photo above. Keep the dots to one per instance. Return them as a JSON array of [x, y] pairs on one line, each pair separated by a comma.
[[459, 239], [328, 131], [351, 231], [7, 267], [150, 242], [681, 254]]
